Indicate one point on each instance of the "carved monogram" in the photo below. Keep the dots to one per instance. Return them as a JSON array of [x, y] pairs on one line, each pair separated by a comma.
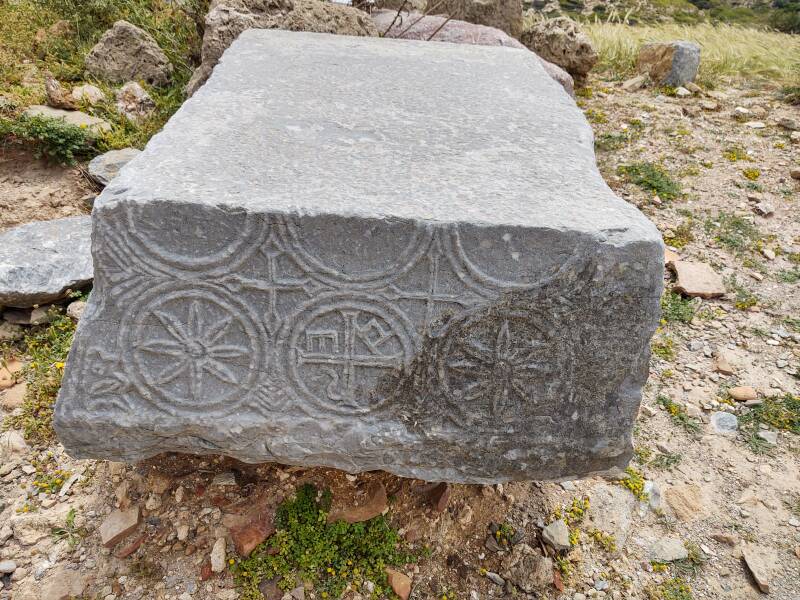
[[206, 332]]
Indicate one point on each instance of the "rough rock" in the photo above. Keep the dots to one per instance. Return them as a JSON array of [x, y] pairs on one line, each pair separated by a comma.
[[9, 368], [12, 444], [611, 511], [91, 94], [760, 562], [7, 566], [57, 96], [253, 526], [125, 53], [528, 569], [686, 501], [14, 397], [399, 582], [226, 19], [75, 310], [505, 15], [724, 423], [105, 167], [415, 26], [118, 525], [556, 534], [10, 332], [743, 393], [73, 117], [40, 261], [31, 528], [723, 363], [375, 504], [134, 103], [561, 42], [259, 312], [667, 549], [28, 316], [63, 584], [697, 279], [669, 63], [218, 553]]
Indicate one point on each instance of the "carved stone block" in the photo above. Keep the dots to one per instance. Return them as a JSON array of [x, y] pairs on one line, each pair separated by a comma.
[[368, 254]]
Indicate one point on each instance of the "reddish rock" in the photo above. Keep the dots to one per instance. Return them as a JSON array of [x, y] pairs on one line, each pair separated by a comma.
[[249, 530], [697, 279], [375, 505], [118, 525], [205, 571], [130, 548], [399, 582], [743, 393]]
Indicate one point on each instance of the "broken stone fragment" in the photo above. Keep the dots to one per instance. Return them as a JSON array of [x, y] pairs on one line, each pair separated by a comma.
[[41, 261], [561, 42], [218, 556], [94, 125], [760, 562], [354, 320], [667, 549], [105, 167], [118, 525], [556, 534], [697, 279], [374, 505], [669, 63]]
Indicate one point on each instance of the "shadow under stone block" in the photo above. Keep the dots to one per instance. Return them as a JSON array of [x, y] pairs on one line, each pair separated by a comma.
[[368, 254]]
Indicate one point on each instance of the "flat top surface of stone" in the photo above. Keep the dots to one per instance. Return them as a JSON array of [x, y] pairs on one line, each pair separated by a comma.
[[314, 123], [40, 260]]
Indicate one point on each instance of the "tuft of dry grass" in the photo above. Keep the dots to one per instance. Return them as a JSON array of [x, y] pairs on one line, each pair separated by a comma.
[[729, 53]]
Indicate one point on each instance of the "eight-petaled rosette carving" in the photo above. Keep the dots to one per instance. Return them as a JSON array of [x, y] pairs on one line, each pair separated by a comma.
[[193, 346]]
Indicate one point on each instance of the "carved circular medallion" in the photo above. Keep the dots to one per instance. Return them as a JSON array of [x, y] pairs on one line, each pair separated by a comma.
[[339, 346], [193, 347], [506, 368], [355, 252], [208, 242]]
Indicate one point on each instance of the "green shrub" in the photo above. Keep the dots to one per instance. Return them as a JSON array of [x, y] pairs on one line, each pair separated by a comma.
[[653, 178], [675, 307], [331, 556], [46, 349], [53, 138]]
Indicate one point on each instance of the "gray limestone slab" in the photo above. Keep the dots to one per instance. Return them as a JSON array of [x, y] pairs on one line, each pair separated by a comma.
[[368, 254], [40, 261]]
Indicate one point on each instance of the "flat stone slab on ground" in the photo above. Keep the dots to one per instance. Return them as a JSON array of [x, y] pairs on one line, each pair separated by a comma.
[[40, 261], [368, 254]]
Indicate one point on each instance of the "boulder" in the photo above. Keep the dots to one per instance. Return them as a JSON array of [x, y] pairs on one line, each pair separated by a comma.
[[352, 318], [414, 26], [505, 15], [124, 53], [134, 103], [669, 63], [105, 167], [41, 261], [72, 117], [561, 42], [226, 19]]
